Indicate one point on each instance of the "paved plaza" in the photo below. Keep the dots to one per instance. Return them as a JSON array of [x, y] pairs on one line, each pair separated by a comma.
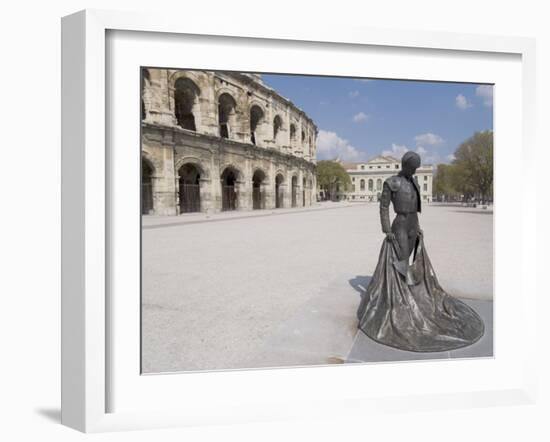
[[281, 287]]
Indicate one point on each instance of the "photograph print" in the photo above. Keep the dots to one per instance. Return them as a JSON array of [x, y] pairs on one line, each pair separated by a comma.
[[297, 220]]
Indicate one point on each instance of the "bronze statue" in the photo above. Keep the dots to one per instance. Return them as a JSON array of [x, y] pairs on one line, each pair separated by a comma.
[[404, 306]]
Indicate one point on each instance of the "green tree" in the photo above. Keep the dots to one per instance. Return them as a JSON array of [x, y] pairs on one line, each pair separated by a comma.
[[332, 177], [472, 168], [443, 185]]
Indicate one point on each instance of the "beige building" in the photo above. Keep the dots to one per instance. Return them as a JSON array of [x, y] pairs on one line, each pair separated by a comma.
[[367, 178], [214, 141]]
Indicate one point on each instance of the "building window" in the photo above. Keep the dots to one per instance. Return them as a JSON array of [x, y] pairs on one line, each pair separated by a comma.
[[256, 117], [226, 114], [362, 167], [353, 197], [378, 184], [425, 187], [388, 166], [362, 184], [292, 134], [277, 125], [379, 167], [397, 166], [370, 167], [185, 97], [370, 185], [353, 188], [425, 177], [353, 179]]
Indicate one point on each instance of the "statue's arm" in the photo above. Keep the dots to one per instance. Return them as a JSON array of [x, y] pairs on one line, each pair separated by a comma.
[[385, 200]]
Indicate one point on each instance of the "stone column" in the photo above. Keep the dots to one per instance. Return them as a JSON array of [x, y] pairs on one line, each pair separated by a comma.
[[285, 202], [205, 188], [243, 195], [267, 195]]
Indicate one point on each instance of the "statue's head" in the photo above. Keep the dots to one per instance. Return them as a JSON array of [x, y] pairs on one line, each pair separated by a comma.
[[409, 163]]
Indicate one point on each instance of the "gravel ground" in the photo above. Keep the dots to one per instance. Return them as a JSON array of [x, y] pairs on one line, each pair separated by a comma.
[[251, 291]]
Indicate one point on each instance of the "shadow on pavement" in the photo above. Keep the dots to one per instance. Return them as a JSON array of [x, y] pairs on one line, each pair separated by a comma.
[[360, 284]]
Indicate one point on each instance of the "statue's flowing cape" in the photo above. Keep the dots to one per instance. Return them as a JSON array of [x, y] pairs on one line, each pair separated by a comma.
[[419, 317]]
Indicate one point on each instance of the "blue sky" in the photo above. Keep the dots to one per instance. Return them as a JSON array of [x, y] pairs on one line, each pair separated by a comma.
[[360, 119]]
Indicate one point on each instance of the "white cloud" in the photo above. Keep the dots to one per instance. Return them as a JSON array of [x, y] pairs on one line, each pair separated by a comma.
[[428, 139], [486, 94], [330, 146], [353, 94], [451, 157], [421, 151], [462, 102], [361, 116], [396, 150]]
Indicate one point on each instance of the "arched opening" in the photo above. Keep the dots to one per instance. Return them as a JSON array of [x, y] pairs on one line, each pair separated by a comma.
[[258, 196], [378, 184], [277, 125], [362, 184], [146, 187], [185, 99], [310, 187], [294, 191], [304, 192], [279, 197], [229, 189], [292, 135], [256, 118], [370, 185], [226, 114], [145, 84], [189, 188], [303, 138]]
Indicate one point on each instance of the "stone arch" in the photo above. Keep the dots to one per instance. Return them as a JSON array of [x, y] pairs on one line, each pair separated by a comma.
[[147, 182], [236, 169], [230, 178], [362, 184], [370, 187], [227, 114], [186, 102], [277, 128], [259, 183], [192, 194], [294, 190], [157, 165], [189, 188], [257, 120], [279, 189], [292, 135], [204, 171]]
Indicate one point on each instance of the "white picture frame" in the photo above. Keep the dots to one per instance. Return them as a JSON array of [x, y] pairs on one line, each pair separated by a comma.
[[87, 355]]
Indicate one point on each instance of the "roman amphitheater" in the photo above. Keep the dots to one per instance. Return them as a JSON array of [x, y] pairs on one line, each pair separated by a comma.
[[219, 141]]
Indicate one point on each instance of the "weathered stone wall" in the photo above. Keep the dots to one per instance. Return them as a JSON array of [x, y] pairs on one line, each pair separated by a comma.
[[167, 146]]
